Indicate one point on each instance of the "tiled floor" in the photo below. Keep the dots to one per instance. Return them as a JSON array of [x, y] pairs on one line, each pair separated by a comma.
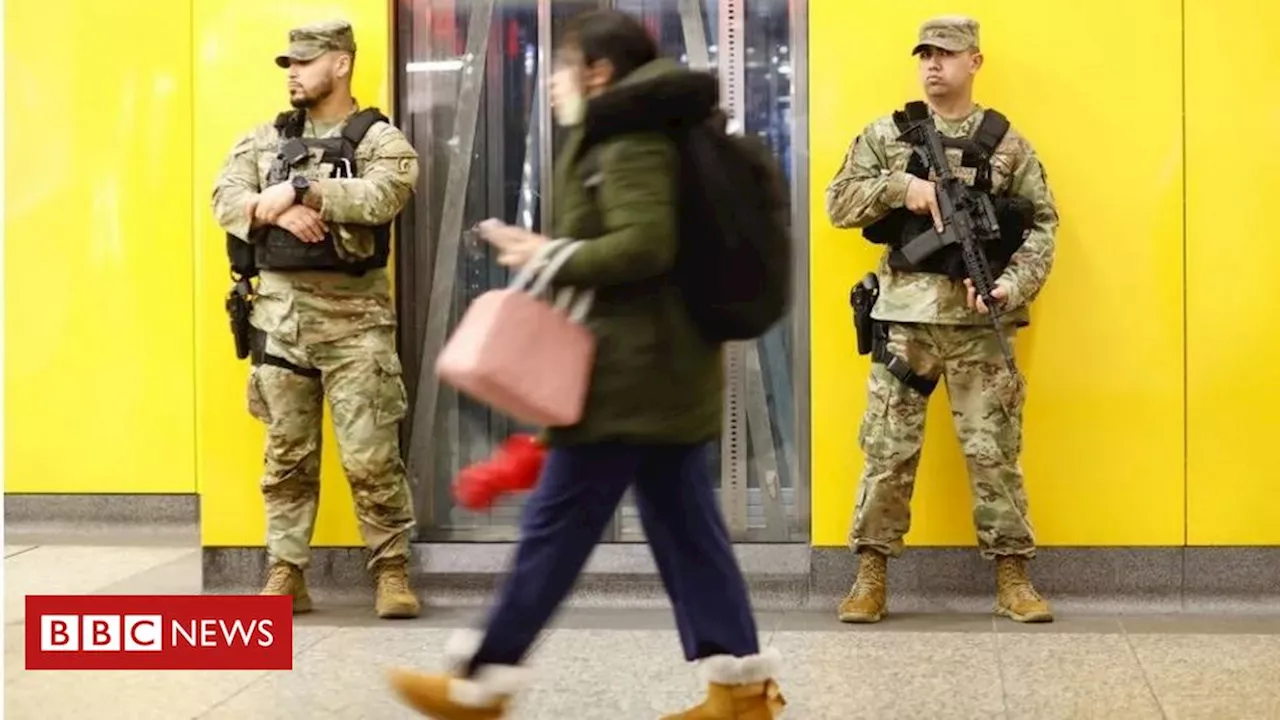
[[617, 665]]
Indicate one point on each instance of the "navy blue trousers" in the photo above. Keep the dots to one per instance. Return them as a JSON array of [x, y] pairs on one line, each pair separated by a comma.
[[568, 512]]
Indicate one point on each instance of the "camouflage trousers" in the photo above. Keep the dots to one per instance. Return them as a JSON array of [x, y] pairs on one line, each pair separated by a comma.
[[986, 407], [361, 376]]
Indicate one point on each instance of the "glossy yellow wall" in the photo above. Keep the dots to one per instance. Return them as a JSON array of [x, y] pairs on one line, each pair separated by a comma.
[[238, 86], [98, 255], [1233, 253], [1096, 86]]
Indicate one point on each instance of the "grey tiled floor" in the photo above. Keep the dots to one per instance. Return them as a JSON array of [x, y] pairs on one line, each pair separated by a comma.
[[620, 664]]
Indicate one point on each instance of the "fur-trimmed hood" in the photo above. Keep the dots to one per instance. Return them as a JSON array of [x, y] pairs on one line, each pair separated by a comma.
[[661, 96]]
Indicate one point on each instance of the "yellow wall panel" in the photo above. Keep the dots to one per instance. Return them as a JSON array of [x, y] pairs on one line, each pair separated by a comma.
[[1233, 252], [1096, 87], [98, 279], [238, 86]]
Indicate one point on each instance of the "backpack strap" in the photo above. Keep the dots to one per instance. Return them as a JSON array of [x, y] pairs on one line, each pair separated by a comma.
[[358, 126], [588, 168], [991, 132]]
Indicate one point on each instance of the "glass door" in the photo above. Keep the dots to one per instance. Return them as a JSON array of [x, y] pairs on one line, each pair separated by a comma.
[[471, 97]]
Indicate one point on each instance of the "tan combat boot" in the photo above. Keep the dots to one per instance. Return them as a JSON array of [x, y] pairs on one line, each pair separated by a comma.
[[451, 695], [1016, 598], [739, 689], [286, 579], [866, 601], [394, 597]]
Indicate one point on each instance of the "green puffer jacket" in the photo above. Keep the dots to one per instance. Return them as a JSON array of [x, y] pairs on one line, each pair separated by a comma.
[[655, 380]]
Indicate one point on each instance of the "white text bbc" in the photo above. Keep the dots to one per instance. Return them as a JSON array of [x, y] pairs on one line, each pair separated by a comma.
[[143, 633]]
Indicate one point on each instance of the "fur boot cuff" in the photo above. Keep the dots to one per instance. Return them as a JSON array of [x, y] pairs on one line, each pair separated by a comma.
[[730, 670], [490, 683]]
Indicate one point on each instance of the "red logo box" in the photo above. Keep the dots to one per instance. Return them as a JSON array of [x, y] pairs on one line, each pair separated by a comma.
[[159, 632]]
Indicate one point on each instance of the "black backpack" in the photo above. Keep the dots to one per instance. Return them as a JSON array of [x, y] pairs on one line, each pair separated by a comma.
[[734, 262], [733, 265]]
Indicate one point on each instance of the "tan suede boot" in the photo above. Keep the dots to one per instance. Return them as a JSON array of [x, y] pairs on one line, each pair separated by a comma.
[[394, 597], [286, 579], [739, 689], [1016, 597], [452, 696], [866, 602], [447, 697]]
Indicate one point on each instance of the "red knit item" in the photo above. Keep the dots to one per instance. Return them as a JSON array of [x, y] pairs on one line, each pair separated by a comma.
[[515, 467]]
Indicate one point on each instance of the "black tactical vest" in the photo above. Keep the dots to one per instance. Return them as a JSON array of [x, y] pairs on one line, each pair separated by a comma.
[[1015, 214], [277, 249]]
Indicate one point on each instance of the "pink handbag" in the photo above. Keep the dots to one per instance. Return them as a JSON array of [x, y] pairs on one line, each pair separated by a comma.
[[521, 355]]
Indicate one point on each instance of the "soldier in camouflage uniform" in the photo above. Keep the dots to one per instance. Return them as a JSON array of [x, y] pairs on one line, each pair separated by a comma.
[[937, 325], [328, 333]]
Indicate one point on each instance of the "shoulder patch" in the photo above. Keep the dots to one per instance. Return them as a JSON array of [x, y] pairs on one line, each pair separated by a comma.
[[386, 140]]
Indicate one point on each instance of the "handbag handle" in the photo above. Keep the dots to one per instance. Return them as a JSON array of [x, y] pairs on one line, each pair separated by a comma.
[[539, 272], [535, 270], [579, 309], [564, 250]]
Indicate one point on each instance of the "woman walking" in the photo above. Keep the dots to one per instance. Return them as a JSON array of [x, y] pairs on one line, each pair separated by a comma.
[[654, 403]]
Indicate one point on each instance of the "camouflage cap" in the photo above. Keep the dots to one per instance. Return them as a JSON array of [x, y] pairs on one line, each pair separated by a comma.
[[309, 42], [955, 33]]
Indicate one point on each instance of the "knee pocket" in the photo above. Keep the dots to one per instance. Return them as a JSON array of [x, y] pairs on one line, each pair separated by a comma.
[[391, 401], [257, 399], [892, 427], [1010, 392]]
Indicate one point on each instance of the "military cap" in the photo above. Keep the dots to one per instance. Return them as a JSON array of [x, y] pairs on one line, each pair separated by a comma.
[[955, 33], [309, 42]]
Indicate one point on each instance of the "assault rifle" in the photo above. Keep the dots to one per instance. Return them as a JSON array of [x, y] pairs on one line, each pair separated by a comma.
[[968, 218]]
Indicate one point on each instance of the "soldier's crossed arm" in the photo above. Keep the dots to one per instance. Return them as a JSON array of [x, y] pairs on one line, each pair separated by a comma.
[[865, 188], [1029, 267], [236, 184], [385, 184]]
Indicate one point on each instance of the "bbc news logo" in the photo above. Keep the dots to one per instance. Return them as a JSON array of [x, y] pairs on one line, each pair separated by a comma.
[[159, 632]]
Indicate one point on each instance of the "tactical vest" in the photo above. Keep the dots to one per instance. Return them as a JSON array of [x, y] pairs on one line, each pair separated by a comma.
[[277, 249], [1014, 214]]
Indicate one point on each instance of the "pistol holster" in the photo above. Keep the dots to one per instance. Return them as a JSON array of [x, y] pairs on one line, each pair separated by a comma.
[[873, 336]]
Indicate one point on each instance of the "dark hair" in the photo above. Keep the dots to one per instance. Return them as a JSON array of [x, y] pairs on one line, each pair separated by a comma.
[[613, 36]]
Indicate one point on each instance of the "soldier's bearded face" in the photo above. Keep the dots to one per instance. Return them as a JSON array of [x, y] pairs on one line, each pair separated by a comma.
[[944, 73], [310, 83]]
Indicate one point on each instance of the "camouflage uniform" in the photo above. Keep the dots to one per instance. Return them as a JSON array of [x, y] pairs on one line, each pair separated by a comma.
[[931, 326], [340, 325]]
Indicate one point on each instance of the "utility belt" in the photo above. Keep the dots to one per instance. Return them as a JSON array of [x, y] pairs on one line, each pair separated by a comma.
[[873, 336]]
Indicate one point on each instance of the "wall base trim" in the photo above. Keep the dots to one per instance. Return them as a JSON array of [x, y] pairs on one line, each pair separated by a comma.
[[103, 508], [101, 518], [1074, 580]]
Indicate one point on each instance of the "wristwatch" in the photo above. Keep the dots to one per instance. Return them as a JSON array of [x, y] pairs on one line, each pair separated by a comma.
[[300, 187]]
